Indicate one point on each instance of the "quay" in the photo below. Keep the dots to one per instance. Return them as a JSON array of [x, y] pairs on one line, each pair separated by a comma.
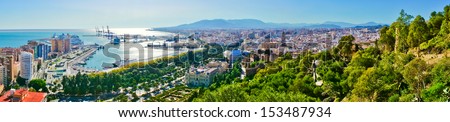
[[74, 65]]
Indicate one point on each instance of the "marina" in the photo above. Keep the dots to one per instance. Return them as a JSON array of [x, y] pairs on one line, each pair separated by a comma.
[[88, 54]]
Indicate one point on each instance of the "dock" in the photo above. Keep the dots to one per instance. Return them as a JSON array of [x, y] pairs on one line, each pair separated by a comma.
[[74, 64]]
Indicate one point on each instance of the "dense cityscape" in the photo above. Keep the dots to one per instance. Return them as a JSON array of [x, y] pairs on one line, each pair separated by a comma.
[[404, 61], [63, 55]]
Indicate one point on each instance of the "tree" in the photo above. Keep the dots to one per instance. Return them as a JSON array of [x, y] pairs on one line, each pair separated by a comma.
[[191, 56], [400, 30], [404, 17], [442, 40], [435, 22], [418, 33], [15, 86], [370, 87], [386, 39], [345, 46], [445, 25], [441, 72], [438, 90], [39, 65], [21, 81], [447, 12], [366, 58], [351, 75], [38, 85], [415, 73]]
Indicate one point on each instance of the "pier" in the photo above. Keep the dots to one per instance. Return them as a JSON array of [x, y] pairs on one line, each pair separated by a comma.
[[74, 66]]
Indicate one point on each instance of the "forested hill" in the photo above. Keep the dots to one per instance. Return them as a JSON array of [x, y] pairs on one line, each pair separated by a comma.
[[410, 62]]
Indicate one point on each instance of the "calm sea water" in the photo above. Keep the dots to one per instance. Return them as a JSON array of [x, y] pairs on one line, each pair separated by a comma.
[[17, 38]]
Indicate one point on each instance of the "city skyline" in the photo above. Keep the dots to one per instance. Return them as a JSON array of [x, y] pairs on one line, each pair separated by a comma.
[[83, 14]]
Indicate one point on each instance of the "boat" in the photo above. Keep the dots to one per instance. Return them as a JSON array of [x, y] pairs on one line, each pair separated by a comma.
[[115, 41], [82, 63], [156, 45], [76, 41]]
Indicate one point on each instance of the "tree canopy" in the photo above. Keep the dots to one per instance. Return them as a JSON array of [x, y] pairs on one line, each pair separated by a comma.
[[38, 85]]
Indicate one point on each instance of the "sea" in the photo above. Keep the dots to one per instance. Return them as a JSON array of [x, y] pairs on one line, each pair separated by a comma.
[[18, 37]]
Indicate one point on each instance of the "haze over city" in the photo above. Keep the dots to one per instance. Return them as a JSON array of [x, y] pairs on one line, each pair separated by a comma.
[[81, 14]]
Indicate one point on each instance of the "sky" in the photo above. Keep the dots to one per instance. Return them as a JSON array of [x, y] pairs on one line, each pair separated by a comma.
[[84, 14]]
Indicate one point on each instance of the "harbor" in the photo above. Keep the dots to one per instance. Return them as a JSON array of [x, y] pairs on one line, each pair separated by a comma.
[[67, 64], [87, 52], [134, 35], [136, 45]]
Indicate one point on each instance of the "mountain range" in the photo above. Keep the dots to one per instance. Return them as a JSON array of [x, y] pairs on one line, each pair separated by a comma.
[[258, 24]]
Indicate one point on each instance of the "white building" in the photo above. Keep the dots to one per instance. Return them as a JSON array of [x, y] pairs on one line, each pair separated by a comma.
[[201, 76], [26, 65], [3, 77]]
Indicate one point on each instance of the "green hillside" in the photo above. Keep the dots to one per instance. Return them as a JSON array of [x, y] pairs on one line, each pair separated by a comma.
[[410, 62]]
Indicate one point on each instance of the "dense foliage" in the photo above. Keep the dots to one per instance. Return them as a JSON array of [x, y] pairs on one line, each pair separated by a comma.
[[21, 81], [399, 68], [38, 85]]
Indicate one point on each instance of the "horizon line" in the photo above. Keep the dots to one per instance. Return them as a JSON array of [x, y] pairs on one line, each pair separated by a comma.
[[74, 28]]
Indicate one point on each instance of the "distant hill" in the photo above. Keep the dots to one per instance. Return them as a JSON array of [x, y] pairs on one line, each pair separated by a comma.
[[258, 24], [371, 24], [348, 25], [341, 24], [223, 24]]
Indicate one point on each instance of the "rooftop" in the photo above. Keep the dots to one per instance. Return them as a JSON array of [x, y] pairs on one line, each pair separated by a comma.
[[201, 70], [22, 95]]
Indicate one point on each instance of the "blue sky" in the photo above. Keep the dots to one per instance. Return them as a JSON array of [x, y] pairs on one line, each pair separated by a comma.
[[24, 14]]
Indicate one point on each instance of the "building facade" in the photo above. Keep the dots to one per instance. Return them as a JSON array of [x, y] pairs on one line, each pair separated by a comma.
[[3, 78], [200, 77], [61, 44], [67, 44], [42, 51], [11, 67], [26, 65]]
